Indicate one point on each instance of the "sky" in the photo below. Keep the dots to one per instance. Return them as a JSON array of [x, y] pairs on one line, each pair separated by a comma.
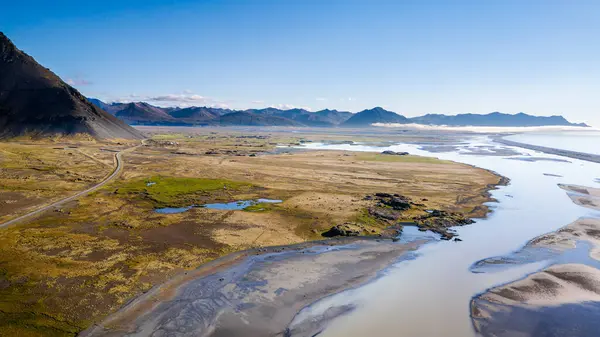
[[413, 57]]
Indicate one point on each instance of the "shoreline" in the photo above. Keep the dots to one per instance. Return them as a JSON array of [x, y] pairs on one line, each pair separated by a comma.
[[558, 152]]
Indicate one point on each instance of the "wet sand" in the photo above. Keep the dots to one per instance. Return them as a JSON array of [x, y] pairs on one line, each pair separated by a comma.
[[255, 293], [562, 299], [584, 196], [563, 153]]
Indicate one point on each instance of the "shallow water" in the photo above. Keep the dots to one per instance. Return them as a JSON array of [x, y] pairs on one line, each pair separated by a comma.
[[227, 206], [430, 295], [579, 141]]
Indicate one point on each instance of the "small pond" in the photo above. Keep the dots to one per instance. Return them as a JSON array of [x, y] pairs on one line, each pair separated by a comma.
[[228, 206]]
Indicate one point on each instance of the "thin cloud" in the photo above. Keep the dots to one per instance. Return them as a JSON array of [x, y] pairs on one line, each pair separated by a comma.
[[290, 106], [184, 100], [78, 82], [321, 99], [258, 102]]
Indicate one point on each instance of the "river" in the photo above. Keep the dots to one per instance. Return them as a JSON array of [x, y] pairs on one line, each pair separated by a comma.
[[429, 296]]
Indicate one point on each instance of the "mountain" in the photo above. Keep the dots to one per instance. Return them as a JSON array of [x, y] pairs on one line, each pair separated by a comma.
[[493, 119], [143, 113], [198, 114], [334, 116], [266, 111], [104, 106], [34, 101], [375, 115], [254, 119], [323, 118]]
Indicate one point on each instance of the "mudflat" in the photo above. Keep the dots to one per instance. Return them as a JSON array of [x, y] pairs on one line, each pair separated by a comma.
[[256, 293], [562, 299]]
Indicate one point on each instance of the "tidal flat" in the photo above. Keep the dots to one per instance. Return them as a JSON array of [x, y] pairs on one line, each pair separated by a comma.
[[70, 268], [561, 299]]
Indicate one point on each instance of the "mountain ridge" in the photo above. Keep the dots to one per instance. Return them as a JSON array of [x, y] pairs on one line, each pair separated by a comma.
[[496, 119], [334, 118]]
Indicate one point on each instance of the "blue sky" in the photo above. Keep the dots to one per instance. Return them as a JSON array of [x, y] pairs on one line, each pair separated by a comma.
[[413, 57]]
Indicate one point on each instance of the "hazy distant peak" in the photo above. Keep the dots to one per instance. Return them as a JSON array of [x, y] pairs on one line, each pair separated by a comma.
[[495, 118]]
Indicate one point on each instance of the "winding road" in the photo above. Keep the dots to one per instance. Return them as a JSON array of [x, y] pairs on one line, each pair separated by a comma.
[[115, 173]]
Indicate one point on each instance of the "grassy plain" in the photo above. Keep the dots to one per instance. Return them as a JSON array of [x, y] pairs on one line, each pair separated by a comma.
[[63, 271]]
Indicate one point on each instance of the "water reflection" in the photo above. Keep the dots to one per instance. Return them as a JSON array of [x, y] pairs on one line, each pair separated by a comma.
[[227, 206]]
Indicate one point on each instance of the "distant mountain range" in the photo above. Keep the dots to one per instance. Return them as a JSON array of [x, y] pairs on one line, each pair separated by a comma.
[[140, 113], [493, 119], [36, 102]]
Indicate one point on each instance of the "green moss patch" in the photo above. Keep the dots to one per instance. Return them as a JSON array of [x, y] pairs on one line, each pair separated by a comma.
[[177, 190], [261, 207], [364, 218]]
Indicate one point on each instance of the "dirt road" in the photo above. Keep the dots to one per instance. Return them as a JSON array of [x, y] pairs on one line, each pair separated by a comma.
[[112, 176]]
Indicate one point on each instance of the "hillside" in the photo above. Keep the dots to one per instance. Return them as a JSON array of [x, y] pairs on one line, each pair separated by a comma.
[[36, 102]]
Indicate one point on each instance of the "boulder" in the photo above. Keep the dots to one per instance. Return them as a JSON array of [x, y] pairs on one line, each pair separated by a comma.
[[383, 213], [341, 230], [398, 203], [394, 153]]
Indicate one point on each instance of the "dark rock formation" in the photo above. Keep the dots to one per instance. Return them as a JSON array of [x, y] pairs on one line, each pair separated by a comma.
[[341, 230], [393, 153]]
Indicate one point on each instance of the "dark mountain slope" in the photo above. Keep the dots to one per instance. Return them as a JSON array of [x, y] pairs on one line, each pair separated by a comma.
[[375, 115], [34, 101]]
